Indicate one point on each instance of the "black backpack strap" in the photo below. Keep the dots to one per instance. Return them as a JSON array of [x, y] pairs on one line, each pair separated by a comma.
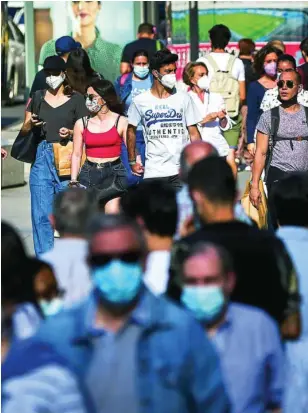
[[306, 113], [275, 118]]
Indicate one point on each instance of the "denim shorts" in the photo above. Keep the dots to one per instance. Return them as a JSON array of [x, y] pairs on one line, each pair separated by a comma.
[[106, 180]]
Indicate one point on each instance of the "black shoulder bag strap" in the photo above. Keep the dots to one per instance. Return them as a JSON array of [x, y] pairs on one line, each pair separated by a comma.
[[306, 113], [117, 122], [273, 134]]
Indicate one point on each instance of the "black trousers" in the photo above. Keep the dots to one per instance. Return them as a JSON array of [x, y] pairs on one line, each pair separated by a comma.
[[173, 181], [274, 176]]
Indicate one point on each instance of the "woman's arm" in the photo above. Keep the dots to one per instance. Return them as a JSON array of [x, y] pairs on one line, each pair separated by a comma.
[[254, 99], [77, 149]]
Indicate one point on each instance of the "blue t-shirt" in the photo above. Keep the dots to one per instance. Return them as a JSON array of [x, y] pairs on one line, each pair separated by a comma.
[[137, 88]]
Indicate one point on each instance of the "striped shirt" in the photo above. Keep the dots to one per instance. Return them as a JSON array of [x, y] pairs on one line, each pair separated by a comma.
[[105, 57], [48, 389]]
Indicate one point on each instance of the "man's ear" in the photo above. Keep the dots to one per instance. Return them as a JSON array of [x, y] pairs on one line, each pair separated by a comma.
[[196, 196], [300, 88], [155, 73], [231, 281], [52, 221]]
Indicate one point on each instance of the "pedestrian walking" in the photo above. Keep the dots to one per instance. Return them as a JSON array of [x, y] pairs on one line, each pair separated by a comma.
[[153, 204], [169, 118], [303, 69], [211, 106], [72, 211], [285, 63], [102, 134], [63, 46], [54, 111], [265, 65], [282, 140], [138, 81], [290, 199], [272, 274], [227, 77], [246, 338], [145, 41], [114, 340]]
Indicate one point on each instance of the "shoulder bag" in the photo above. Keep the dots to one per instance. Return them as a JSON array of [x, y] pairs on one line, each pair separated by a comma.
[[25, 146]]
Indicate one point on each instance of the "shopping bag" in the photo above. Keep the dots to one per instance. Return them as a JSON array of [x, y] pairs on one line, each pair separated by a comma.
[[257, 215], [63, 158]]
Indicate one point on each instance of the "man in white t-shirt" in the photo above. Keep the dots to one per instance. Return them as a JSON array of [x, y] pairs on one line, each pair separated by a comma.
[[220, 36], [168, 117]]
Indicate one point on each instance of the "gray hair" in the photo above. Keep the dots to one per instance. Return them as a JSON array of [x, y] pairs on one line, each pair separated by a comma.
[[102, 222], [72, 211], [223, 255]]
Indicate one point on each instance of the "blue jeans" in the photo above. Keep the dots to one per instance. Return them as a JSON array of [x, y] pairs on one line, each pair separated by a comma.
[[44, 184], [140, 145]]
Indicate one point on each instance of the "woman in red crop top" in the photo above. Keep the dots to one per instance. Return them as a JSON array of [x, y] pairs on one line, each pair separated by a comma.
[[102, 135]]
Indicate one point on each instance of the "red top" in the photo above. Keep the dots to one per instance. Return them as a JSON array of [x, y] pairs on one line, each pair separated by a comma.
[[103, 144]]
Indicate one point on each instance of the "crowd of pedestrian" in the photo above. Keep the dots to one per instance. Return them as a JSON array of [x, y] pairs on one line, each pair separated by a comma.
[[162, 293]]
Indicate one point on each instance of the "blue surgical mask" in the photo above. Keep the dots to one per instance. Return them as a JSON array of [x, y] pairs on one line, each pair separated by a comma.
[[205, 302], [51, 307], [141, 71], [118, 282]]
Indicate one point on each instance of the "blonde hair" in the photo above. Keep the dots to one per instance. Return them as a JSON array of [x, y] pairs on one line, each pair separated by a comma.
[[189, 71], [278, 44]]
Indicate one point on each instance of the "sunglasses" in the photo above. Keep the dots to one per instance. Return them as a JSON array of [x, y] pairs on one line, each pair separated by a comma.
[[289, 83], [91, 97], [101, 260]]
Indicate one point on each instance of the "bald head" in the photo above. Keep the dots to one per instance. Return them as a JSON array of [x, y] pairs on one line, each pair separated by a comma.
[[193, 153]]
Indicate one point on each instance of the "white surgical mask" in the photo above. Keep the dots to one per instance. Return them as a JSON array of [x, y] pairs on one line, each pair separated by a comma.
[[55, 81], [168, 81], [93, 105], [204, 83]]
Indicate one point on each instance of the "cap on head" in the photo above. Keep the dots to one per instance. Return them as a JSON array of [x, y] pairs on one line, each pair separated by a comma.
[[54, 63], [65, 45]]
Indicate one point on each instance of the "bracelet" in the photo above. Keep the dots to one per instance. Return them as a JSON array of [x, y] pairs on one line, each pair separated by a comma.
[[132, 162]]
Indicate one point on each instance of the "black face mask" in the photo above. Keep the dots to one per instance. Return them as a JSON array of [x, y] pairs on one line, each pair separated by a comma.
[[288, 103]]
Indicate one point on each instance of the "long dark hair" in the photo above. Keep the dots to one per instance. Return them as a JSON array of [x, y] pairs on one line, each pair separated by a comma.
[[106, 90], [260, 58], [79, 71]]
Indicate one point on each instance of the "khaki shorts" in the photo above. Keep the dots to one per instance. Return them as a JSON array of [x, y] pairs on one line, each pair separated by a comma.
[[232, 135]]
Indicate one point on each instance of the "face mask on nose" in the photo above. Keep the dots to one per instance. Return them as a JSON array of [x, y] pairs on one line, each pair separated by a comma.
[[118, 282], [169, 81], [270, 68], [204, 83], [141, 71], [205, 302], [93, 105], [55, 81]]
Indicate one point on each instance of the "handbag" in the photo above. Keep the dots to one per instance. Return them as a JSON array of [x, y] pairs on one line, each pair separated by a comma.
[[25, 145], [63, 152], [63, 157], [257, 215]]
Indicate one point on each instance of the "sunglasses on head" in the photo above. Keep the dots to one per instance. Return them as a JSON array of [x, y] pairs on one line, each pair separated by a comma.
[[288, 83], [131, 257]]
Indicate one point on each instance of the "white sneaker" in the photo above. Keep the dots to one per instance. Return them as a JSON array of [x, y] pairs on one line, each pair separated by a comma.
[[56, 234], [248, 168]]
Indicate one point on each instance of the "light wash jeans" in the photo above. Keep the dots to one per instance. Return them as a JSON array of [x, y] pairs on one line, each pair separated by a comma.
[[44, 184]]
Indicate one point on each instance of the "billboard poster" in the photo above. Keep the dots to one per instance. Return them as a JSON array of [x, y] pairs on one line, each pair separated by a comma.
[[245, 20]]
